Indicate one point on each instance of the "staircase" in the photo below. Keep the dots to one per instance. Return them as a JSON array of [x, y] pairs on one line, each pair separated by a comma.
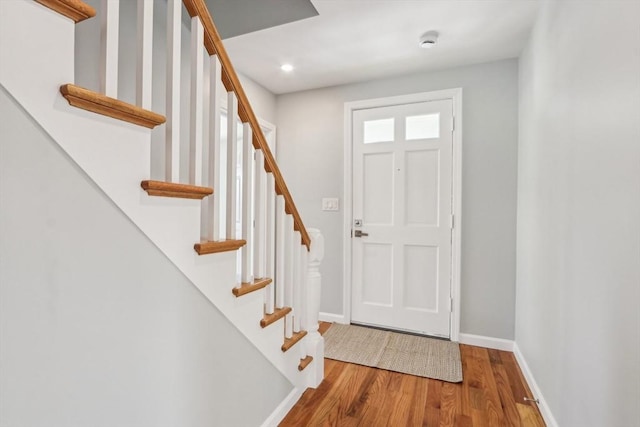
[[232, 227]]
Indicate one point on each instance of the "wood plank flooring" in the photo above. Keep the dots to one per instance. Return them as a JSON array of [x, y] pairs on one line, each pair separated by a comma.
[[491, 395]]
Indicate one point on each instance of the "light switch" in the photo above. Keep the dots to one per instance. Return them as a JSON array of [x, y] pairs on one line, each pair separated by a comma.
[[330, 204]]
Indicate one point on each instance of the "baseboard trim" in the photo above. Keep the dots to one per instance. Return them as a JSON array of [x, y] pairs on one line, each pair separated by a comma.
[[333, 318], [549, 419], [488, 342], [283, 408]]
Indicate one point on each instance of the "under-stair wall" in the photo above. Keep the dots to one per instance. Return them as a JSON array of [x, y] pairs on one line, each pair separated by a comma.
[[116, 155], [98, 327]]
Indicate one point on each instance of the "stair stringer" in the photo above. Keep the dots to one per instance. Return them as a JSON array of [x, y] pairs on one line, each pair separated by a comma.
[[116, 156]]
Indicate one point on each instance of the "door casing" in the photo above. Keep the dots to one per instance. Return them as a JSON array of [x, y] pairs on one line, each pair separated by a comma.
[[349, 107]]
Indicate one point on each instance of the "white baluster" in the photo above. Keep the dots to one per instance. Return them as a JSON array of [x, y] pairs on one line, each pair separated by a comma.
[[269, 295], [296, 264], [303, 308], [288, 272], [213, 162], [259, 257], [280, 251], [206, 222], [302, 296], [314, 341], [232, 164], [197, 102], [172, 141], [247, 203], [145, 54], [109, 29]]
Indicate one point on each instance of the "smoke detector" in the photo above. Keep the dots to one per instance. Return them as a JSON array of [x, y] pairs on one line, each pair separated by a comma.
[[429, 39]]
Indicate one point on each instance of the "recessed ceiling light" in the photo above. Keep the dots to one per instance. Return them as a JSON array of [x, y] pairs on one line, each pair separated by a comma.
[[429, 39], [287, 68]]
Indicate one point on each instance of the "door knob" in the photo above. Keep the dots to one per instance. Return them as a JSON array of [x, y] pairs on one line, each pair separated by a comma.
[[359, 233]]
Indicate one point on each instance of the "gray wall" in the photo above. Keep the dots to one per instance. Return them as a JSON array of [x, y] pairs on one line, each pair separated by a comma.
[[97, 327], [310, 152], [578, 264], [237, 17]]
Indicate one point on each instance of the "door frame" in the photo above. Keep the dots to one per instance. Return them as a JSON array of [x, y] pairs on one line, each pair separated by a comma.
[[455, 95]]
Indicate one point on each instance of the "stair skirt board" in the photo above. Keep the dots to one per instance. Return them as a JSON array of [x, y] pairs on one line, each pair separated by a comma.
[[283, 408]]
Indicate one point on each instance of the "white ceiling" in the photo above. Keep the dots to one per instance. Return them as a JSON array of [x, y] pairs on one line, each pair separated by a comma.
[[358, 40]]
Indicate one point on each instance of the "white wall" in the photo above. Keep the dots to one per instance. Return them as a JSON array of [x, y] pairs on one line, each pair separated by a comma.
[[578, 263], [97, 326], [310, 153], [262, 101]]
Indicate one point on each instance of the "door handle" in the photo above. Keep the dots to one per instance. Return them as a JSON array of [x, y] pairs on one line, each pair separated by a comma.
[[359, 233]]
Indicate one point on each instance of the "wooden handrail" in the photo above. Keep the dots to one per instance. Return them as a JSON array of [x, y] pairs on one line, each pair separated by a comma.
[[214, 46]]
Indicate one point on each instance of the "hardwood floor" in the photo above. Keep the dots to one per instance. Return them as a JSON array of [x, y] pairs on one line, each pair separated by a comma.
[[352, 395]]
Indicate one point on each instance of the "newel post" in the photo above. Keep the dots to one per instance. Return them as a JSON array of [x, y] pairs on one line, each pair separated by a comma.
[[315, 342]]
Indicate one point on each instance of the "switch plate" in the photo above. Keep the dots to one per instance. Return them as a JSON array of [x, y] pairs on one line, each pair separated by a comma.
[[330, 204]]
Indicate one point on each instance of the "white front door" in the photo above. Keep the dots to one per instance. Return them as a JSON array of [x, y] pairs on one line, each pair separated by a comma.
[[402, 216]]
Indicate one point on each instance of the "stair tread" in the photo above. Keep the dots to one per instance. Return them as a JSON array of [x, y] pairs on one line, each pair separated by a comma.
[[246, 288], [211, 247], [173, 189], [101, 104], [295, 338], [277, 314], [75, 10], [304, 362]]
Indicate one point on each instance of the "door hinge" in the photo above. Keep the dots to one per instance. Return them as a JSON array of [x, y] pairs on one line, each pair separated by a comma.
[[453, 123], [451, 304], [451, 221]]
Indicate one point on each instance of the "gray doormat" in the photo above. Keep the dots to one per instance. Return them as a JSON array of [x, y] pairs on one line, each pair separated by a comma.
[[409, 354]]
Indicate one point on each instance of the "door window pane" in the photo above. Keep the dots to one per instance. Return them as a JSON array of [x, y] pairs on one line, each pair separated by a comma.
[[378, 131], [423, 127]]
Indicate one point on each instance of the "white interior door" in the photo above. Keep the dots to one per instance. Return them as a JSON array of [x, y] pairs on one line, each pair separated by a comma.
[[402, 216]]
